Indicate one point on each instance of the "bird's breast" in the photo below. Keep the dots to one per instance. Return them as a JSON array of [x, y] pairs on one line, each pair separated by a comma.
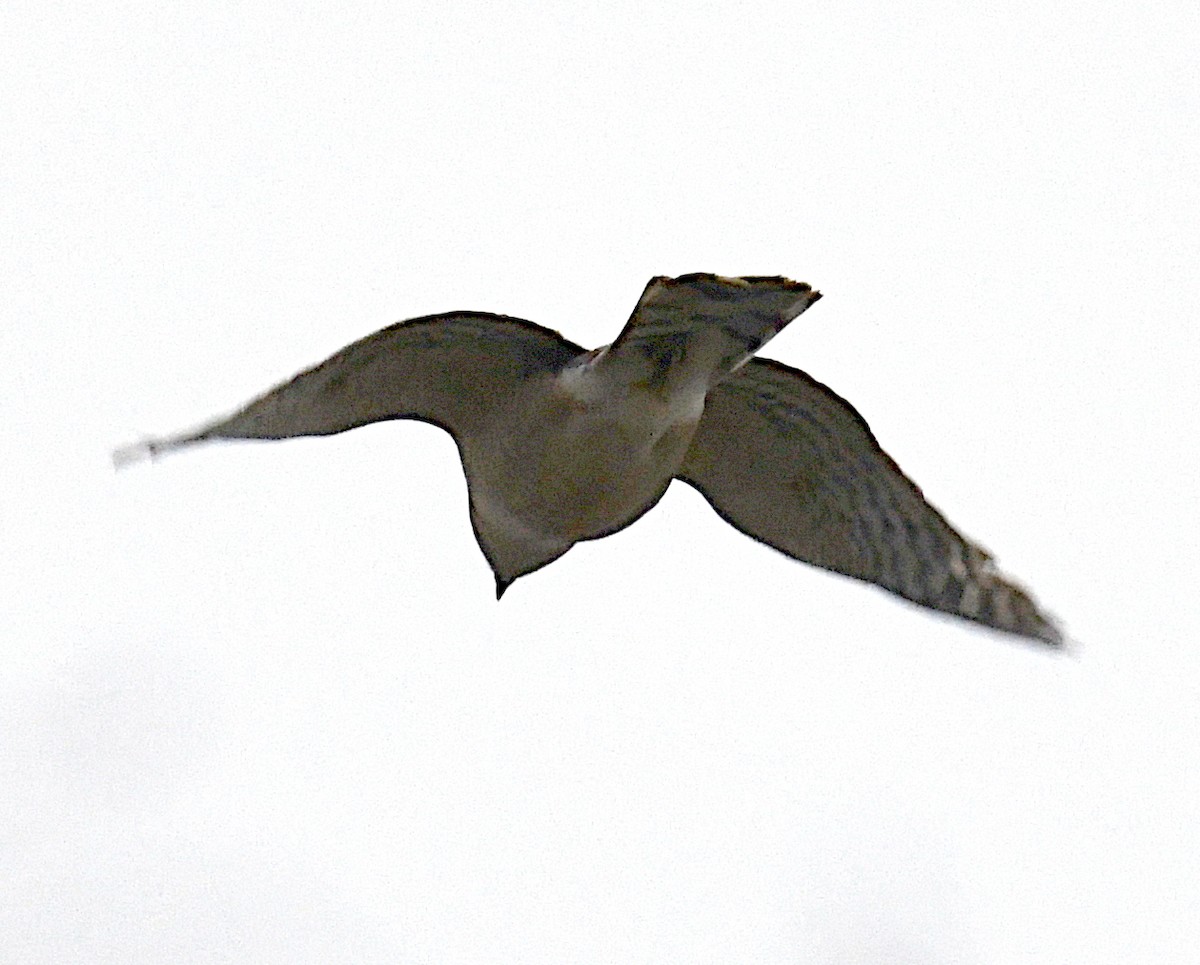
[[574, 468]]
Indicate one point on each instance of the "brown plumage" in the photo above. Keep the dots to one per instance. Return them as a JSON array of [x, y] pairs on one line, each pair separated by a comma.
[[560, 444]]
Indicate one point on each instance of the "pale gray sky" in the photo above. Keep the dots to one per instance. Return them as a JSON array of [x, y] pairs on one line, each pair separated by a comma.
[[257, 702]]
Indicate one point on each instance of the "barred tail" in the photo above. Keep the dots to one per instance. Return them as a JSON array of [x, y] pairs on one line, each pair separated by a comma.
[[724, 320]]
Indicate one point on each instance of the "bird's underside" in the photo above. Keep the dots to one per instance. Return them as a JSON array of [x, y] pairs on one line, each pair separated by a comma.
[[560, 444]]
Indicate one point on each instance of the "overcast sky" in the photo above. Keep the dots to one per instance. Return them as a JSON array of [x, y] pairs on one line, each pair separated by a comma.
[[258, 703]]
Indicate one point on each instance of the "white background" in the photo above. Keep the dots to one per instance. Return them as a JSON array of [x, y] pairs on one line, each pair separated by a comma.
[[257, 703]]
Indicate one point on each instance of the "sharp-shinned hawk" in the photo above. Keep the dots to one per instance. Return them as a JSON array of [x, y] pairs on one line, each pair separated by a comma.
[[560, 445]]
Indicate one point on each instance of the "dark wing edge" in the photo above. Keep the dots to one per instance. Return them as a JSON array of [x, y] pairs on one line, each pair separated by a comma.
[[443, 369], [787, 461]]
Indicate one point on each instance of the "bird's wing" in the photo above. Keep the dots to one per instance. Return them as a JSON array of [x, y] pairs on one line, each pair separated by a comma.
[[445, 369], [787, 461]]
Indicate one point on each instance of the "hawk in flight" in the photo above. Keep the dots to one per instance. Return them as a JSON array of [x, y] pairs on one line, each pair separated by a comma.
[[560, 444]]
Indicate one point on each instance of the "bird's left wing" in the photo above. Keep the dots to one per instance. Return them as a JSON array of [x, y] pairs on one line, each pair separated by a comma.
[[784, 459], [446, 369]]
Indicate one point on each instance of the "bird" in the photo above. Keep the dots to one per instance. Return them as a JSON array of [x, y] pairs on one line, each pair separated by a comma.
[[560, 445]]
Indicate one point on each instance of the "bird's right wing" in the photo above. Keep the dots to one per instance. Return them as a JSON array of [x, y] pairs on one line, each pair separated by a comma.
[[445, 369], [787, 461]]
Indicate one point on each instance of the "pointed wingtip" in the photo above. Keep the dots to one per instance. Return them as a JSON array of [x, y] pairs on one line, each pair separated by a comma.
[[501, 586], [150, 450], [135, 452], [1052, 634]]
